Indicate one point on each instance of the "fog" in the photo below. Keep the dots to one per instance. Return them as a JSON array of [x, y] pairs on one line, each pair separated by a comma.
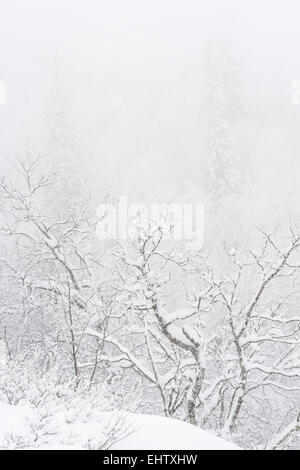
[[131, 73]]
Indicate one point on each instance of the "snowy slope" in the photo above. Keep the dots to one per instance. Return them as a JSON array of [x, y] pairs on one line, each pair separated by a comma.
[[12, 418], [143, 432], [159, 433]]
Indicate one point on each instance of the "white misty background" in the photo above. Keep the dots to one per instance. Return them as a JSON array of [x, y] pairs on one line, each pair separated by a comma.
[[185, 102]]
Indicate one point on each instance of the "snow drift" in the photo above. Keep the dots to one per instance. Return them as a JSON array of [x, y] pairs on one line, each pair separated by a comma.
[[145, 432]]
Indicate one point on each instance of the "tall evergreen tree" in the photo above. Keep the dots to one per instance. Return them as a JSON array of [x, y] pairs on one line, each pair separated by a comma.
[[220, 105]]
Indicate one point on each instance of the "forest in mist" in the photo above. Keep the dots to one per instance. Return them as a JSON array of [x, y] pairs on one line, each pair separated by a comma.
[[166, 102]]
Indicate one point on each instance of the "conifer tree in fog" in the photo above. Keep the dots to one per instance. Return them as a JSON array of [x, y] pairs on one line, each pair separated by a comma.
[[63, 150], [220, 106]]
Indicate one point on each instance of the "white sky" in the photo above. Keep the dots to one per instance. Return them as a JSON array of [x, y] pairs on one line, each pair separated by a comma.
[[147, 51]]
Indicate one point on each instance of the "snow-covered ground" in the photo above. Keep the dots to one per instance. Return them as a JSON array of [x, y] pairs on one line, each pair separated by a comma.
[[159, 433], [12, 418], [22, 427]]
